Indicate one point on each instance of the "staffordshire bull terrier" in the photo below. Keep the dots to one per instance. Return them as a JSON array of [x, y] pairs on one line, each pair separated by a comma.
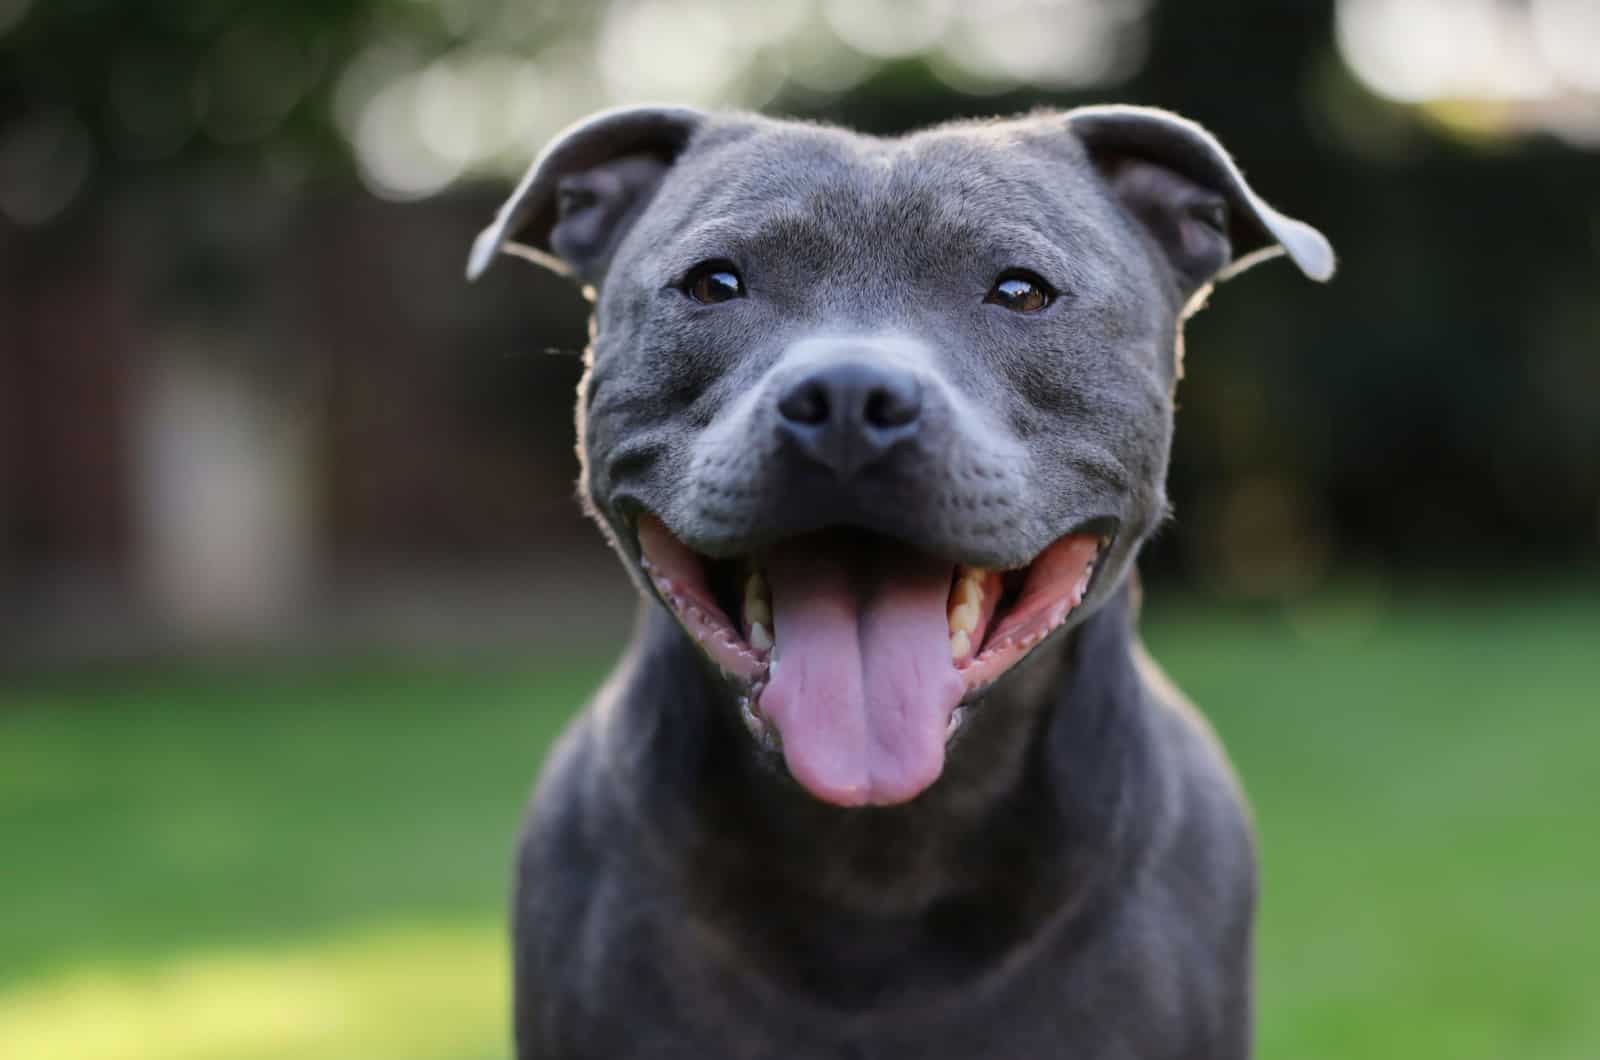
[[877, 426]]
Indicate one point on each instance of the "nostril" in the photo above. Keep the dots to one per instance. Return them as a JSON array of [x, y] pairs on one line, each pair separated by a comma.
[[892, 405], [806, 403], [853, 400], [846, 415]]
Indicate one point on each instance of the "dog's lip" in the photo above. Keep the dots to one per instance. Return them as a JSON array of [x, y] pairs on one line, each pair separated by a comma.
[[997, 660], [678, 573], [633, 514]]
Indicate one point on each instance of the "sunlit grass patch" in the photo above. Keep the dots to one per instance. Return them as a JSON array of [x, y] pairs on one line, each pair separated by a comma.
[[423, 992], [1422, 774]]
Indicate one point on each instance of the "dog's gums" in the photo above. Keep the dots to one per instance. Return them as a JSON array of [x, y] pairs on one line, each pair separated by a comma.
[[853, 653]]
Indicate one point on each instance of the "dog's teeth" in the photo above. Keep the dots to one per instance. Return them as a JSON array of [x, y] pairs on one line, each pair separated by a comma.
[[966, 601], [760, 639], [757, 602], [968, 591], [757, 610], [960, 645]]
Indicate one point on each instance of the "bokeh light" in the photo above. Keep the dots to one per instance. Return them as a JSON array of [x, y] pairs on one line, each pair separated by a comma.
[[45, 158], [1533, 64], [419, 122]]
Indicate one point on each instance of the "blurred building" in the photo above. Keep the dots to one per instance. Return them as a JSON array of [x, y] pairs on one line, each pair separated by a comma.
[[335, 437]]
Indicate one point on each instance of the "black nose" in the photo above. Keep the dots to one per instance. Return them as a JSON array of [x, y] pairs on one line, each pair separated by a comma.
[[846, 415]]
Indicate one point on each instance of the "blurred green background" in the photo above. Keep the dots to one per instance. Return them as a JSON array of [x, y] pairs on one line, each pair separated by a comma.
[[294, 593]]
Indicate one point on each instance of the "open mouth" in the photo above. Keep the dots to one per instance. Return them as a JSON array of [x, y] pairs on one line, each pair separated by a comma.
[[855, 653]]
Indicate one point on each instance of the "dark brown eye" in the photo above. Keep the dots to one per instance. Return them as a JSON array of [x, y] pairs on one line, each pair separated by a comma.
[[1020, 292], [713, 281]]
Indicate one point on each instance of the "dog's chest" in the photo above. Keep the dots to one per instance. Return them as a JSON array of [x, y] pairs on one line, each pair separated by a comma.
[[670, 994]]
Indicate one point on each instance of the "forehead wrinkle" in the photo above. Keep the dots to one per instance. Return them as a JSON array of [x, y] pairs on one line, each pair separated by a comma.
[[740, 238], [970, 229], [738, 194], [1019, 246], [1043, 220], [1011, 206]]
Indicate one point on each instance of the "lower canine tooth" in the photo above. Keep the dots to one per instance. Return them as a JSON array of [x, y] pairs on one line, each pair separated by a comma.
[[968, 591], [964, 618], [960, 644], [760, 639], [756, 606], [756, 610]]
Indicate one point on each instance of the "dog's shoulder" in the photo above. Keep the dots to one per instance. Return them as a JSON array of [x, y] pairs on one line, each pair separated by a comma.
[[592, 916], [558, 889], [558, 829], [1199, 886], [1210, 837]]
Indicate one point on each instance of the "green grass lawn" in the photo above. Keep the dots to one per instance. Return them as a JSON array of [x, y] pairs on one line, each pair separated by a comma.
[[206, 864]]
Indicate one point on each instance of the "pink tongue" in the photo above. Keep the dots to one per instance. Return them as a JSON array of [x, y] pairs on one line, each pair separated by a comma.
[[862, 685]]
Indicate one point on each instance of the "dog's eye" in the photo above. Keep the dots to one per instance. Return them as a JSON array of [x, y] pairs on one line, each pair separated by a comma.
[[1020, 292], [711, 282]]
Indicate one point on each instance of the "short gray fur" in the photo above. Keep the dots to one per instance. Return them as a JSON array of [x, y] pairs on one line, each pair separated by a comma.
[[1081, 880]]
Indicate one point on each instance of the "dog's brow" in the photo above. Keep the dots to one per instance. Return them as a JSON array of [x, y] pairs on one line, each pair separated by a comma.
[[1000, 243], [725, 237], [1006, 244]]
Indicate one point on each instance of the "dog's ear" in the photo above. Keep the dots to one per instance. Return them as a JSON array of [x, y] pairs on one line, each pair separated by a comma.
[[585, 190], [1179, 182]]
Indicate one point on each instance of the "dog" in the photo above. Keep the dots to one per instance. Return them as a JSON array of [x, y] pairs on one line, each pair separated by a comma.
[[878, 426]]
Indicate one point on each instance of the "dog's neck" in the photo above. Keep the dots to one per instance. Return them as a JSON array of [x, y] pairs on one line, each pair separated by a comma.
[[1037, 813]]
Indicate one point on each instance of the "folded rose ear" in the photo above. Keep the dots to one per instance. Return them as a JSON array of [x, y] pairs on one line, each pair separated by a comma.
[[1181, 184], [584, 191]]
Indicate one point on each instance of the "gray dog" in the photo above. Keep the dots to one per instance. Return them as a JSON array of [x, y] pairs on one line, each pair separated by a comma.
[[881, 425]]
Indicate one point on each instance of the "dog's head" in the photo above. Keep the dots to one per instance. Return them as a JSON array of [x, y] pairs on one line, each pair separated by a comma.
[[876, 417]]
